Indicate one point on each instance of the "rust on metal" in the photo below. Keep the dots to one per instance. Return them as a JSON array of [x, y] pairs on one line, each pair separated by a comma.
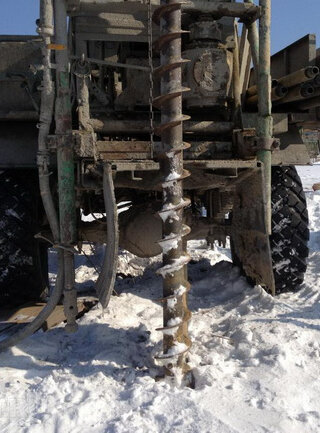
[[253, 90], [176, 341], [248, 12], [56, 47], [277, 93], [164, 9], [166, 38], [27, 312], [265, 120], [160, 100], [114, 126], [164, 68], [298, 93], [299, 77], [118, 150], [158, 130], [316, 187]]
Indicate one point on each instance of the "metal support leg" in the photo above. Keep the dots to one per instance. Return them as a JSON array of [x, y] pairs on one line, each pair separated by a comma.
[[65, 159], [253, 38], [265, 120]]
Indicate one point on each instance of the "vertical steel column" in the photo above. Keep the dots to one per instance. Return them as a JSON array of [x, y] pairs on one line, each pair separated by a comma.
[[265, 120], [236, 80], [83, 80], [65, 159], [253, 38], [176, 315]]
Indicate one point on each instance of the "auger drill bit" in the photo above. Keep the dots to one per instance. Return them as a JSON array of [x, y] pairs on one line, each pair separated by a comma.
[[176, 342]]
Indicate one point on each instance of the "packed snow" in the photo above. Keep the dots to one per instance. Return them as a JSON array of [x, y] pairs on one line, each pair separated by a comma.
[[255, 358]]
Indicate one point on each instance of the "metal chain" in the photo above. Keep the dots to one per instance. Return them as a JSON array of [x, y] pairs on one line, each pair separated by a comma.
[[150, 54]]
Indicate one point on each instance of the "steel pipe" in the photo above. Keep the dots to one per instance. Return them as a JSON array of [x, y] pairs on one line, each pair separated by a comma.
[[277, 93], [265, 120], [83, 80], [223, 9], [112, 126], [310, 103], [237, 115], [217, 9], [112, 64], [316, 81], [299, 77], [65, 162], [253, 38], [253, 90], [298, 93]]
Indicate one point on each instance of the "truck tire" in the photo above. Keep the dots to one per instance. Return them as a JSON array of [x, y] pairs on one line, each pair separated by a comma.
[[290, 233], [23, 259]]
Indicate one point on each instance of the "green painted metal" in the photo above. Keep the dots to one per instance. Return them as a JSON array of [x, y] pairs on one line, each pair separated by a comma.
[[63, 119], [65, 162], [65, 159]]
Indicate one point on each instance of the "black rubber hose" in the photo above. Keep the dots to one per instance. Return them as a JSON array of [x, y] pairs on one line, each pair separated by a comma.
[[45, 30], [107, 277], [33, 326], [47, 100]]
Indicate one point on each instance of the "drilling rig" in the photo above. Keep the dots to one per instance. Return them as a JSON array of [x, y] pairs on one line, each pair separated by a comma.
[[172, 107]]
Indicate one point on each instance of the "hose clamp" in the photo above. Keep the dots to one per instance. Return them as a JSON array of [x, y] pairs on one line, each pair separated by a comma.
[[266, 143]]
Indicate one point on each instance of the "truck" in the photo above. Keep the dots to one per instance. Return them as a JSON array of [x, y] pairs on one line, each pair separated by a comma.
[[176, 109]]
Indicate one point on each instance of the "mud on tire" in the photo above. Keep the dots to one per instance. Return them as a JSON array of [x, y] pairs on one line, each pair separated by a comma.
[[290, 233], [23, 259]]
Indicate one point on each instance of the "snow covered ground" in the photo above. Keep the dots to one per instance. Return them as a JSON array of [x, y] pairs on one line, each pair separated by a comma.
[[256, 358]]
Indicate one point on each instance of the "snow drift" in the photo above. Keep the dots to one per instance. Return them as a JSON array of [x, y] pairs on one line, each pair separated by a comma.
[[256, 358]]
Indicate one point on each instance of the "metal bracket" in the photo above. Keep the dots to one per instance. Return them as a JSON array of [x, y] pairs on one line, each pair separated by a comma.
[[250, 19], [54, 142], [266, 143], [81, 68], [134, 177], [244, 140], [112, 64], [85, 144], [248, 144], [43, 159]]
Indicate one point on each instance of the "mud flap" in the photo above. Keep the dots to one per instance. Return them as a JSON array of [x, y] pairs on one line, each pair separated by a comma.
[[250, 238]]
